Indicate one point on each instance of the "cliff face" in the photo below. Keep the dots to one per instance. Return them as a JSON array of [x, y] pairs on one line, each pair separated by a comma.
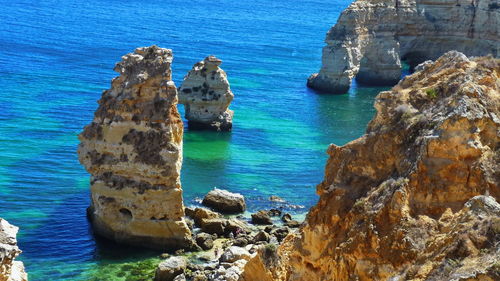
[[206, 96], [416, 197], [10, 269], [371, 38], [133, 150]]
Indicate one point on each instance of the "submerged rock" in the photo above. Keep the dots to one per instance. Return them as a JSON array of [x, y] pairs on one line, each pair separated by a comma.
[[10, 269], [415, 198], [224, 201], [206, 96], [275, 198], [214, 226], [371, 37], [133, 150]]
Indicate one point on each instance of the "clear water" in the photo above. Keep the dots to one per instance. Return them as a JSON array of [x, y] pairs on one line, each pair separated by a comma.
[[57, 56]]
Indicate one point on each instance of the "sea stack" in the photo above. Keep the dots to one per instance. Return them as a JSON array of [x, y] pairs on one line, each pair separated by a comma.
[[133, 150], [371, 38], [206, 96], [10, 269], [415, 198]]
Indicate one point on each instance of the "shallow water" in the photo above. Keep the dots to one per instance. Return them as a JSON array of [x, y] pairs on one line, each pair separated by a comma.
[[57, 56]]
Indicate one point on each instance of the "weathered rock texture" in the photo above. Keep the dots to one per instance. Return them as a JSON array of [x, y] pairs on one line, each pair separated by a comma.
[[133, 150], [206, 96], [416, 197], [371, 38], [10, 269]]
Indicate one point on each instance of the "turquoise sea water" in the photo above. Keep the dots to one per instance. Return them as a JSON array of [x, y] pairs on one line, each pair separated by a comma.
[[56, 57]]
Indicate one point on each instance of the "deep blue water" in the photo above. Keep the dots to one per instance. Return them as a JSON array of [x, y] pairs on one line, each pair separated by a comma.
[[56, 57]]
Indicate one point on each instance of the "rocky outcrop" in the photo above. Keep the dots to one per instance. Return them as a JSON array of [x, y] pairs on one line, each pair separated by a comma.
[[206, 97], [371, 38], [133, 150], [10, 269], [415, 198]]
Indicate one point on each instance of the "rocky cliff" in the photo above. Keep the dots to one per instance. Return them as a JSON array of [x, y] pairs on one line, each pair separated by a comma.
[[133, 150], [206, 96], [416, 197], [371, 38], [10, 269]]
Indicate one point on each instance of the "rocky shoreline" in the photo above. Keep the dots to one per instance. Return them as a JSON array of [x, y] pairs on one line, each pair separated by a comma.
[[225, 242]]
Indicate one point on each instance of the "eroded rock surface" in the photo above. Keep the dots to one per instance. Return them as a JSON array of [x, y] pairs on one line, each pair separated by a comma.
[[10, 269], [415, 198], [206, 96], [133, 150], [371, 38]]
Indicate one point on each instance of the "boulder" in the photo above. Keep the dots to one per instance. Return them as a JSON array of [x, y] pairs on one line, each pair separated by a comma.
[[199, 214], [240, 242], [224, 201], [214, 226], [286, 217], [204, 240], [237, 227], [261, 236], [169, 269], [261, 217], [292, 223], [280, 233], [235, 253], [274, 213]]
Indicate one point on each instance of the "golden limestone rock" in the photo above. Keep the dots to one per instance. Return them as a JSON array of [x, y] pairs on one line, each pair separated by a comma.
[[371, 37], [133, 150], [10, 269], [206, 96], [415, 198]]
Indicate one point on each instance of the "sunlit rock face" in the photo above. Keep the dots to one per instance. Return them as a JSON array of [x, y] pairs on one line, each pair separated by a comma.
[[206, 96], [10, 269], [415, 198], [133, 150], [371, 38]]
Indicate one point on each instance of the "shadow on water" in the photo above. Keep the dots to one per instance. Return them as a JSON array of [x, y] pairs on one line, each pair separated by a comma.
[[345, 116]]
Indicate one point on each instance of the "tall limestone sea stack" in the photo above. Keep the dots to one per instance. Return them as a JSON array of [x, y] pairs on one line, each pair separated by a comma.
[[415, 198], [371, 38], [206, 96], [10, 269], [133, 150]]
